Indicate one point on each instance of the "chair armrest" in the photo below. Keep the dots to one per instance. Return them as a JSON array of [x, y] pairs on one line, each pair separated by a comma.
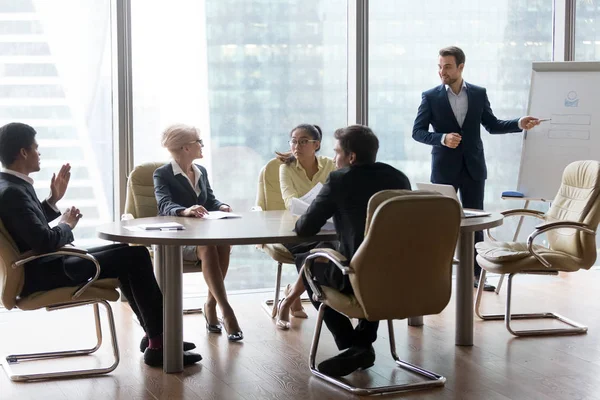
[[64, 251], [523, 212], [550, 226], [335, 257]]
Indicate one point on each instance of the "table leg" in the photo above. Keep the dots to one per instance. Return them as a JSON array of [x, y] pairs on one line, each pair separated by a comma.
[[415, 321], [464, 290], [172, 271], [159, 261]]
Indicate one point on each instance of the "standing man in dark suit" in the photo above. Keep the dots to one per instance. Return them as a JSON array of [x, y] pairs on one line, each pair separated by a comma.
[[455, 110], [26, 220], [345, 196]]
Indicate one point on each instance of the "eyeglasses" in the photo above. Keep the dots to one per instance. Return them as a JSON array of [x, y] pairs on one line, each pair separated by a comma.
[[199, 141], [301, 142]]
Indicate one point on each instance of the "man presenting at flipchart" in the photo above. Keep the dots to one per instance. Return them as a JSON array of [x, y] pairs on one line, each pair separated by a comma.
[[455, 110]]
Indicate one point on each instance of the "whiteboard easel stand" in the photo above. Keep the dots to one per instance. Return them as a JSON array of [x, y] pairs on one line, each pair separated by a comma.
[[519, 224]]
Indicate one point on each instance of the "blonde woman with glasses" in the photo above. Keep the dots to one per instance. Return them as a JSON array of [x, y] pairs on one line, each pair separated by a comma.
[[182, 189], [301, 170]]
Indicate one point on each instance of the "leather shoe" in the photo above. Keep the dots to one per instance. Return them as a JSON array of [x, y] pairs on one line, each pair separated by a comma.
[[486, 287], [349, 361], [154, 357], [145, 343]]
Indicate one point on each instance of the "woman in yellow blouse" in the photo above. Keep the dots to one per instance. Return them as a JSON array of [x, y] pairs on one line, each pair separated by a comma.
[[301, 170]]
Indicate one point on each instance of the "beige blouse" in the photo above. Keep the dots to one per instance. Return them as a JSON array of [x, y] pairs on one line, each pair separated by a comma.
[[294, 181]]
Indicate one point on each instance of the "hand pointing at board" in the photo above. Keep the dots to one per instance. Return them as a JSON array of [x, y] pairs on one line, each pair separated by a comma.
[[527, 123]]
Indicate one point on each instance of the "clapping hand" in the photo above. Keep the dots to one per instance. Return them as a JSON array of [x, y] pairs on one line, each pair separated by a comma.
[[71, 217], [59, 183]]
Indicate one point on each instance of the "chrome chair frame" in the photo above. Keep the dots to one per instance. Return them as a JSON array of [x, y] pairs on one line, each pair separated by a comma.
[[433, 379], [521, 212], [13, 359], [576, 328]]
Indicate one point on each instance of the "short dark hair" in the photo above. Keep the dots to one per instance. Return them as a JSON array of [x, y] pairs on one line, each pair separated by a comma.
[[360, 140], [456, 52], [14, 137]]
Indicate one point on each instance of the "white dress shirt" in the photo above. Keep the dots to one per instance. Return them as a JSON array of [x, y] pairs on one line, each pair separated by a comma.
[[460, 105], [197, 173]]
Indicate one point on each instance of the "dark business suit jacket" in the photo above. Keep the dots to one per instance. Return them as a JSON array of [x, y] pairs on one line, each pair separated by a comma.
[[174, 192], [26, 220], [345, 196], [447, 163]]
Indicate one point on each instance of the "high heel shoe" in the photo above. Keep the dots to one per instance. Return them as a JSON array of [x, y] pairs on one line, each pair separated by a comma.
[[212, 328], [234, 336], [299, 313], [281, 324]]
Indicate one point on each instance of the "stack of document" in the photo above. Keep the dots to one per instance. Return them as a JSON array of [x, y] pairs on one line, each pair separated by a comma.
[[162, 226], [220, 215], [299, 206]]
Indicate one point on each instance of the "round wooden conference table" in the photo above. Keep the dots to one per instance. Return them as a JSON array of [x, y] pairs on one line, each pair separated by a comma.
[[263, 227], [255, 227]]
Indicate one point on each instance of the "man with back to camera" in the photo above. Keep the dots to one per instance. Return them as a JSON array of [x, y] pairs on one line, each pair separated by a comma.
[[455, 110], [26, 220], [345, 196]]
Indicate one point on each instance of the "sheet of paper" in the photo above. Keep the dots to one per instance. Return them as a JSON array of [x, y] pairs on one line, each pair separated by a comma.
[[299, 207], [312, 194], [133, 228], [161, 226], [220, 215]]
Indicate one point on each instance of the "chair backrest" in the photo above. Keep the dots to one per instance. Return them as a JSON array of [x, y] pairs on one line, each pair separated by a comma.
[[404, 266], [269, 190], [141, 201], [11, 279], [578, 199]]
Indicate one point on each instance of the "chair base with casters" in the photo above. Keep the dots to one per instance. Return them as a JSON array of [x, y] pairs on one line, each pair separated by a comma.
[[433, 379], [576, 328], [9, 361]]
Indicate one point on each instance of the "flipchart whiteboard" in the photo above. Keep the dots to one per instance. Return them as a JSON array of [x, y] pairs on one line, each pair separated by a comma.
[[569, 94]]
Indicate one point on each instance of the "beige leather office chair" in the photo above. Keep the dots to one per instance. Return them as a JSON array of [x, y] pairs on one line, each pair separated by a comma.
[[396, 272], [95, 292], [269, 198], [570, 225], [141, 203]]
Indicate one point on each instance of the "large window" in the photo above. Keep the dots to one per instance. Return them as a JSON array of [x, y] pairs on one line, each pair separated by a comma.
[[587, 30], [500, 39], [244, 72], [60, 83]]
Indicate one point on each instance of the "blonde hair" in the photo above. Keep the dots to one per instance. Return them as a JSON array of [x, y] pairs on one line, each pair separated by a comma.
[[178, 135]]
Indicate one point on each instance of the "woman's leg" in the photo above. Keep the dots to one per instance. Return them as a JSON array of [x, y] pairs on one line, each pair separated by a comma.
[[213, 275], [293, 298]]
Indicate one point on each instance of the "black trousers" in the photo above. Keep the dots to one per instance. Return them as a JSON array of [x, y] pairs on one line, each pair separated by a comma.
[[344, 334], [131, 265], [471, 196]]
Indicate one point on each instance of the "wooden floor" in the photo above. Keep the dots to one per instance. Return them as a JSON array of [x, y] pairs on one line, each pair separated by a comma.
[[272, 364]]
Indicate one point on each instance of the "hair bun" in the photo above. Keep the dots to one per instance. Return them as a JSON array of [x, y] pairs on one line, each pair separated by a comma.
[[318, 128]]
